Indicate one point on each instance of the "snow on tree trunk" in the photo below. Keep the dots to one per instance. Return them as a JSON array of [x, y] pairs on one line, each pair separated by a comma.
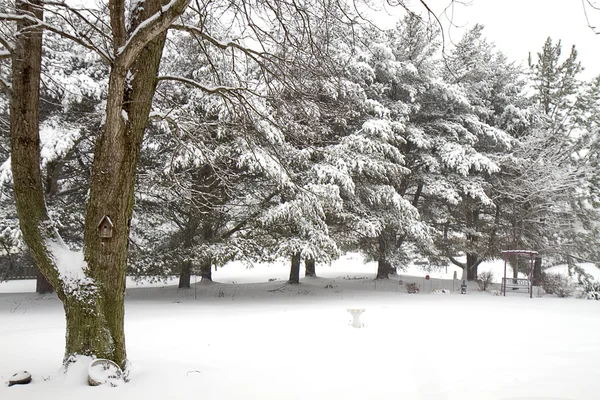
[[184, 275], [309, 265], [295, 269]]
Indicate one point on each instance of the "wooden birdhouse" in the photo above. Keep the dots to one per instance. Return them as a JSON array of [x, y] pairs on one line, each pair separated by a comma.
[[105, 228]]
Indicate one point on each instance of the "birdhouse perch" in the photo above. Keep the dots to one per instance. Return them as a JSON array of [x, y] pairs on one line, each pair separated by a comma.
[[105, 228]]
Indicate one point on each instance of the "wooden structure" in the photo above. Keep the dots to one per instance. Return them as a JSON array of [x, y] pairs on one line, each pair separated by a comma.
[[519, 283], [105, 228]]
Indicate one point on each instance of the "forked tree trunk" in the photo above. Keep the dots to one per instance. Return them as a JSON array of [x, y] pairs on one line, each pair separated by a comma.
[[295, 269], [205, 270], [93, 303], [185, 274], [309, 267]]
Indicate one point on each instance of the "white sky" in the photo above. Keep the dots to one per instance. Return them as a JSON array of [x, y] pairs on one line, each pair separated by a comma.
[[518, 27]]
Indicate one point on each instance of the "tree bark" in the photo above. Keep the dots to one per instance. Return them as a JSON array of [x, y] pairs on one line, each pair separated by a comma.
[[309, 267], [185, 274], [472, 264], [383, 269], [537, 271], [205, 270], [295, 269]]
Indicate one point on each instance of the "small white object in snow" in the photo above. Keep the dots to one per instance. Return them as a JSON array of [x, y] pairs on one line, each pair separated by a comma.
[[20, 378], [441, 291], [355, 312], [102, 372]]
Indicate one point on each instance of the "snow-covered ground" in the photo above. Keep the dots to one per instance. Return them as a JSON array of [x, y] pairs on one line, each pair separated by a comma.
[[267, 340]]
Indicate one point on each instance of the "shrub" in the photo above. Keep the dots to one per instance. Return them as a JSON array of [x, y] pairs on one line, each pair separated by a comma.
[[590, 289], [557, 284], [412, 287], [539, 291], [484, 281]]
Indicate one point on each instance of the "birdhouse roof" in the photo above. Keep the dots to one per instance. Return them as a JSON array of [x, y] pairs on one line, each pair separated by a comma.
[[107, 219]]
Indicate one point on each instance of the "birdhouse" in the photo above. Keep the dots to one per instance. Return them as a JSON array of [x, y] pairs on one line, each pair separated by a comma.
[[105, 228]]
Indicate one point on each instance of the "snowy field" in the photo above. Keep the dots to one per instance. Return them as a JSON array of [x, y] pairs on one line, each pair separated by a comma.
[[255, 339]]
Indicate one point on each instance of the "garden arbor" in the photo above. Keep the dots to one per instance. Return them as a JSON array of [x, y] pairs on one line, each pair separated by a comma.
[[518, 283]]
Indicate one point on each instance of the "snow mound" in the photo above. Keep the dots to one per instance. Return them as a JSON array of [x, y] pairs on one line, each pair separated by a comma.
[[104, 372]]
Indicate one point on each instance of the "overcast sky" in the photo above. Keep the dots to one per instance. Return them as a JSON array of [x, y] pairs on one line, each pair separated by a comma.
[[518, 27]]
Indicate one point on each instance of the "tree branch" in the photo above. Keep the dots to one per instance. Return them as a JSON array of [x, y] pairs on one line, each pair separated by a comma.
[[148, 30], [87, 43], [456, 262], [206, 89]]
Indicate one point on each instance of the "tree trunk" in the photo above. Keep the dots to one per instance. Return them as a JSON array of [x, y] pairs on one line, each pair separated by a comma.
[[295, 269], [514, 263], [42, 286], [185, 274], [94, 301], [130, 94], [537, 271], [383, 269], [309, 266], [472, 265], [205, 270], [86, 333]]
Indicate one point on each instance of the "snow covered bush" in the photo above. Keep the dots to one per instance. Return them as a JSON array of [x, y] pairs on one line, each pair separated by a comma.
[[539, 291], [557, 284], [590, 289], [412, 287], [484, 281]]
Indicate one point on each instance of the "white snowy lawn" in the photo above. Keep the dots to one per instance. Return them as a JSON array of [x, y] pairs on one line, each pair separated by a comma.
[[274, 341]]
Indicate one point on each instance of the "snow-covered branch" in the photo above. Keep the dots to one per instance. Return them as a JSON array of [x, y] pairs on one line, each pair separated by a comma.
[[149, 29]]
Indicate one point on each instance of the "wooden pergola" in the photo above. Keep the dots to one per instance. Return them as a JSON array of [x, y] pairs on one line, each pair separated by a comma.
[[517, 283]]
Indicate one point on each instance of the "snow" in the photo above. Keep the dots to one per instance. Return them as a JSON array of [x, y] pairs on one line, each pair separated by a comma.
[[105, 372], [71, 268], [19, 376], [264, 340]]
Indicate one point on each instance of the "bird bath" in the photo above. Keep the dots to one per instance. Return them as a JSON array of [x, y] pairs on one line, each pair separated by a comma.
[[355, 312]]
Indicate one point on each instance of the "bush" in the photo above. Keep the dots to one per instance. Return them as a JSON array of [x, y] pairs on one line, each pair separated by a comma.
[[412, 287], [590, 289], [484, 281], [557, 284]]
